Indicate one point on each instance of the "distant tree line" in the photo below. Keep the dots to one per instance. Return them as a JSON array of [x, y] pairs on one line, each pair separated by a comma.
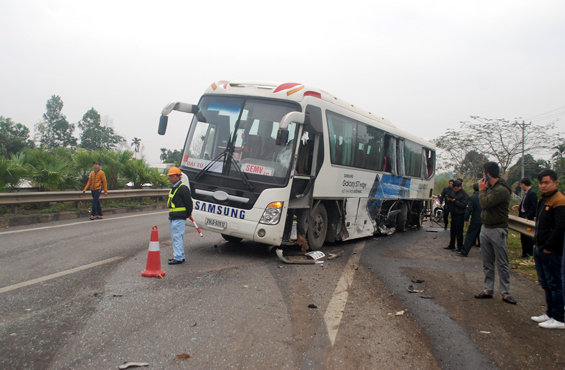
[[465, 150], [56, 160]]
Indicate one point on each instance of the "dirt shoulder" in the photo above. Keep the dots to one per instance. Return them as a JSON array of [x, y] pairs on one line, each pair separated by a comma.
[[503, 332]]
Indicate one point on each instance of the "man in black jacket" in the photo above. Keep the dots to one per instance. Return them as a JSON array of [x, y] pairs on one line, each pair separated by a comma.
[[180, 208], [548, 249], [457, 204], [472, 211], [527, 210], [448, 191]]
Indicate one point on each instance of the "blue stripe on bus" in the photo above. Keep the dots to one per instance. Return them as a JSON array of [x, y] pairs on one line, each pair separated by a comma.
[[392, 187]]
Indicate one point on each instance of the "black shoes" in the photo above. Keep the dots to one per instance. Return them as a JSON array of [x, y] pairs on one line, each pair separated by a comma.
[[457, 250], [173, 261], [509, 299], [483, 295], [449, 247], [460, 254]]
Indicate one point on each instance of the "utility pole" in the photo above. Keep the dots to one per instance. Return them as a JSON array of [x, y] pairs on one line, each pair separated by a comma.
[[523, 126]]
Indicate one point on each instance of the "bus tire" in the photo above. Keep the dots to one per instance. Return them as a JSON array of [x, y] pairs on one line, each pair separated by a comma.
[[421, 216], [232, 239], [402, 216], [317, 227]]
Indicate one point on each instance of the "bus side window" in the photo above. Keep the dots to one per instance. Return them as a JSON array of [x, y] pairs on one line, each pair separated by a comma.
[[305, 153]]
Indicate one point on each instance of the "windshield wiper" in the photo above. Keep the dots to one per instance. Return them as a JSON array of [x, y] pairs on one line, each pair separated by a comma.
[[210, 164], [235, 164], [241, 173]]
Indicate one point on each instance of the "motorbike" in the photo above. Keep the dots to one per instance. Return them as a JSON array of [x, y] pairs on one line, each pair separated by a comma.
[[437, 210]]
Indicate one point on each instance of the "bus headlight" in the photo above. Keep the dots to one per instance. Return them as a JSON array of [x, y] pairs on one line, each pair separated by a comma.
[[272, 214]]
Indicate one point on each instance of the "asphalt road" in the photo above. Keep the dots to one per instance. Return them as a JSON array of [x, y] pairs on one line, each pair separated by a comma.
[[72, 297]]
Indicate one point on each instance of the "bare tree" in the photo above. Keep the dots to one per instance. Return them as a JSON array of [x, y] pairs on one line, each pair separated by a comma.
[[499, 139], [454, 147]]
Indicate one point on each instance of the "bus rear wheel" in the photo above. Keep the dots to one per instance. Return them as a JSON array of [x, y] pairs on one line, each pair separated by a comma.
[[232, 239], [317, 227], [401, 218]]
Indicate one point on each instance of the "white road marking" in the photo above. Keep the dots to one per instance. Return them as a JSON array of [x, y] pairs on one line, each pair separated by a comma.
[[81, 223], [56, 275], [335, 309]]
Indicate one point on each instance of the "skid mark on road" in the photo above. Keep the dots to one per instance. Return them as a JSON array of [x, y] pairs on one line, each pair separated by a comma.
[[335, 309], [81, 223], [56, 275]]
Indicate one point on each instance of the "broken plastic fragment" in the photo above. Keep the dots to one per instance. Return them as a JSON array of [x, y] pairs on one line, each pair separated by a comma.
[[399, 313], [133, 364], [316, 255]]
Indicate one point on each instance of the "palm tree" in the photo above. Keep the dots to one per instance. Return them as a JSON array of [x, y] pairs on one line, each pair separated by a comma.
[[135, 142], [560, 153], [163, 155]]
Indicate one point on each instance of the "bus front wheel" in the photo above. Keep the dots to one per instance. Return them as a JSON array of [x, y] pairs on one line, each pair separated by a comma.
[[318, 227], [232, 239]]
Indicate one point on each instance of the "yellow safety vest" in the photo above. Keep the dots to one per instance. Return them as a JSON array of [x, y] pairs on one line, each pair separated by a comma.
[[172, 207]]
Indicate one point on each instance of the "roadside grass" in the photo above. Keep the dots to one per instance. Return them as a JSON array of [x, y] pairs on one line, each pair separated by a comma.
[[42, 208], [523, 267]]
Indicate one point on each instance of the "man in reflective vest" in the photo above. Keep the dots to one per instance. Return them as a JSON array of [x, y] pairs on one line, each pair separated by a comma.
[[180, 208]]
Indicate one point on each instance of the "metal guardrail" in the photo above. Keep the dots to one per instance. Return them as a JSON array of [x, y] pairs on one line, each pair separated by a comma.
[[522, 225], [515, 223], [16, 199]]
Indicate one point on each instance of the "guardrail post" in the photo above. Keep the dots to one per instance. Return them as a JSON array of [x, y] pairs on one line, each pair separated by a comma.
[[14, 209]]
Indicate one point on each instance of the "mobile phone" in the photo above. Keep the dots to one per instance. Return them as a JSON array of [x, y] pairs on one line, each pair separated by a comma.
[[487, 177]]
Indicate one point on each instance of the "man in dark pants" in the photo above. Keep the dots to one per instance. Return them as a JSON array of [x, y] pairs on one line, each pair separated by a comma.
[[448, 191], [458, 202], [527, 210], [473, 211], [548, 251]]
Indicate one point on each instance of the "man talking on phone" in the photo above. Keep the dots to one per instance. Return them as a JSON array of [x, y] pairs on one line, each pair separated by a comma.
[[494, 197]]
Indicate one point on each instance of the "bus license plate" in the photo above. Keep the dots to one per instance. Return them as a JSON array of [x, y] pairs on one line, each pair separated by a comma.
[[216, 223]]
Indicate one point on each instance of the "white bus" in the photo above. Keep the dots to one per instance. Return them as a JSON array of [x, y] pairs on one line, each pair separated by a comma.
[[281, 163]]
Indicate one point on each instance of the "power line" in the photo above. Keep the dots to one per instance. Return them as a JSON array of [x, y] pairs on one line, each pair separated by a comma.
[[543, 114]]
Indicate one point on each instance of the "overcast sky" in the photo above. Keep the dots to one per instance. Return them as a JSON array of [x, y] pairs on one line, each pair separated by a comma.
[[424, 65]]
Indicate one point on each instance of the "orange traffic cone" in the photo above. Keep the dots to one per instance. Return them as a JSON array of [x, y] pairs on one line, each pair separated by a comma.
[[153, 267]]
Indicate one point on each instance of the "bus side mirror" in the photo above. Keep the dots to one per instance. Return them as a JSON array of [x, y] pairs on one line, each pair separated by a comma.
[[163, 124], [282, 137]]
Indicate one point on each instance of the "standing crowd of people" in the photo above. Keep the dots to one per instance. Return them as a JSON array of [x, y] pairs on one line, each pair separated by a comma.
[[485, 213]]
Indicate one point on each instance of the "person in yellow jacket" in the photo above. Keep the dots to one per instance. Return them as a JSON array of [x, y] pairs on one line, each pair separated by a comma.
[[96, 181], [180, 208]]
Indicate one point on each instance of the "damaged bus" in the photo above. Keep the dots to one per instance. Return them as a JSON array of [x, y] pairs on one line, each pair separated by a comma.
[[286, 163]]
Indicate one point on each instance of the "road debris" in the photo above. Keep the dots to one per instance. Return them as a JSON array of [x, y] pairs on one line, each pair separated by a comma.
[[182, 357], [118, 295], [399, 313], [418, 281], [484, 332], [426, 297], [312, 305], [295, 259], [315, 255], [412, 290], [133, 364], [331, 256]]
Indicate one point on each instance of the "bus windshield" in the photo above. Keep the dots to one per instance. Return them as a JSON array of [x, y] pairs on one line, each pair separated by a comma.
[[243, 131]]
